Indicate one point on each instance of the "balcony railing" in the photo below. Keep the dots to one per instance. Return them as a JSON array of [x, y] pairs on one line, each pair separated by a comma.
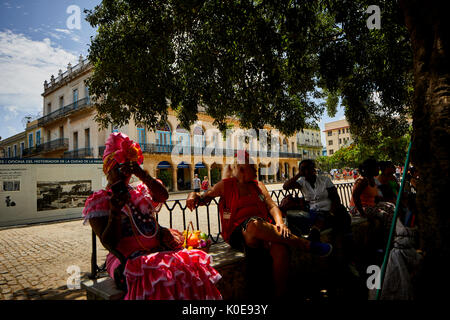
[[61, 112], [63, 75], [79, 153], [193, 150], [53, 145]]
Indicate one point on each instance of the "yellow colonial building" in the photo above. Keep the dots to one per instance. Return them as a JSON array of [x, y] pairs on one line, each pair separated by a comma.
[[309, 143], [174, 154], [337, 135]]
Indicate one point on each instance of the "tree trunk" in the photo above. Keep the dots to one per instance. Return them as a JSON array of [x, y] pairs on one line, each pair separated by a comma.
[[429, 29]]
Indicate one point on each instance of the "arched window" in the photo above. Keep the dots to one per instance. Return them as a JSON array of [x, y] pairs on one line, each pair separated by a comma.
[[182, 136], [198, 131], [163, 138], [199, 140], [141, 136], [285, 145]]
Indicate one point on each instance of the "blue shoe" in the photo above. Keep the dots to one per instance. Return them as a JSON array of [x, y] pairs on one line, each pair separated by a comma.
[[320, 249]]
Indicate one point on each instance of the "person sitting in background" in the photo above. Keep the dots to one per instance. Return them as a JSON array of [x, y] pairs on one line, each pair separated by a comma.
[[398, 172], [367, 201], [412, 179], [386, 181], [145, 259], [355, 174], [410, 192], [251, 221], [325, 207]]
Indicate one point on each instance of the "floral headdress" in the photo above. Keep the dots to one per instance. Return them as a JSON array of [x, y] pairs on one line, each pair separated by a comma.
[[120, 149]]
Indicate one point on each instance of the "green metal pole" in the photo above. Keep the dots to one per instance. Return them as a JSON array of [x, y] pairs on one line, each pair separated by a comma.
[[394, 221]]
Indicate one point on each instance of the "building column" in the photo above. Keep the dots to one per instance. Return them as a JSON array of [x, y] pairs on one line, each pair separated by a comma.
[[66, 134], [174, 178], [192, 168], [282, 171], [208, 168], [266, 174]]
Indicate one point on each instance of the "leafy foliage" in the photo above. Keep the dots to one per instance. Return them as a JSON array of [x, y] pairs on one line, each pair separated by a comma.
[[370, 69], [166, 177], [387, 148], [280, 63]]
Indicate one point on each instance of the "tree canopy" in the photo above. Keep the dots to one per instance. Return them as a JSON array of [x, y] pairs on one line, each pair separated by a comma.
[[387, 149], [281, 63]]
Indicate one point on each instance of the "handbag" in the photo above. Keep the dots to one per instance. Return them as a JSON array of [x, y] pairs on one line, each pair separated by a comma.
[[291, 202]]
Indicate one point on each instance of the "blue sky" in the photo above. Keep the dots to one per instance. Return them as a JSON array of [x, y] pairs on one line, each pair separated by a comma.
[[37, 38]]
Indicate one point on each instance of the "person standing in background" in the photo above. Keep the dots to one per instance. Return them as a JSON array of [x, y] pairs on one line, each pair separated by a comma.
[[205, 183], [397, 173], [196, 183]]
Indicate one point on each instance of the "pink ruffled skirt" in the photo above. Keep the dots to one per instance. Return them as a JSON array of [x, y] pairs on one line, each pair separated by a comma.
[[169, 275]]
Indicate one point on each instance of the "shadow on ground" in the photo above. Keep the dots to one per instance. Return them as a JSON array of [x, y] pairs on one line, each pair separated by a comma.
[[60, 293]]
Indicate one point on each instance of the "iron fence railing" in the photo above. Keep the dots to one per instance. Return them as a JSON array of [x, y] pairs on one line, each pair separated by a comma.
[[211, 217]]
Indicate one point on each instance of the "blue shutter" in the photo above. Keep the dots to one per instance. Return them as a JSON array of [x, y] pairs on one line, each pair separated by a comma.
[[141, 136], [38, 138]]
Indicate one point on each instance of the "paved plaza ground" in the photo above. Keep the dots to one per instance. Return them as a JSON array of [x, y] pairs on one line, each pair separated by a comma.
[[34, 259]]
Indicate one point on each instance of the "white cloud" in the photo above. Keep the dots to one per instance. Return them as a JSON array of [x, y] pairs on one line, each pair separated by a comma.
[[25, 64], [54, 35], [12, 131], [66, 31], [76, 38], [10, 112]]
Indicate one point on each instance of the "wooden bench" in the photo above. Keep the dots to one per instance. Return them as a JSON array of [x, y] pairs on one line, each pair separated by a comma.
[[230, 264], [102, 289], [227, 261]]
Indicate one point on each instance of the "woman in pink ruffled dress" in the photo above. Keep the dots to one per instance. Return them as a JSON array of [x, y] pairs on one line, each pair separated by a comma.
[[145, 259]]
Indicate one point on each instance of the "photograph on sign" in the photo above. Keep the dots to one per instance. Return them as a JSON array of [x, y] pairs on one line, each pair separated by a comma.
[[62, 194]]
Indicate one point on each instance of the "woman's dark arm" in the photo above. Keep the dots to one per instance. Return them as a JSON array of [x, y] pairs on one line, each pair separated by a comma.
[[158, 192], [359, 188], [292, 183], [108, 230], [196, 198]]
